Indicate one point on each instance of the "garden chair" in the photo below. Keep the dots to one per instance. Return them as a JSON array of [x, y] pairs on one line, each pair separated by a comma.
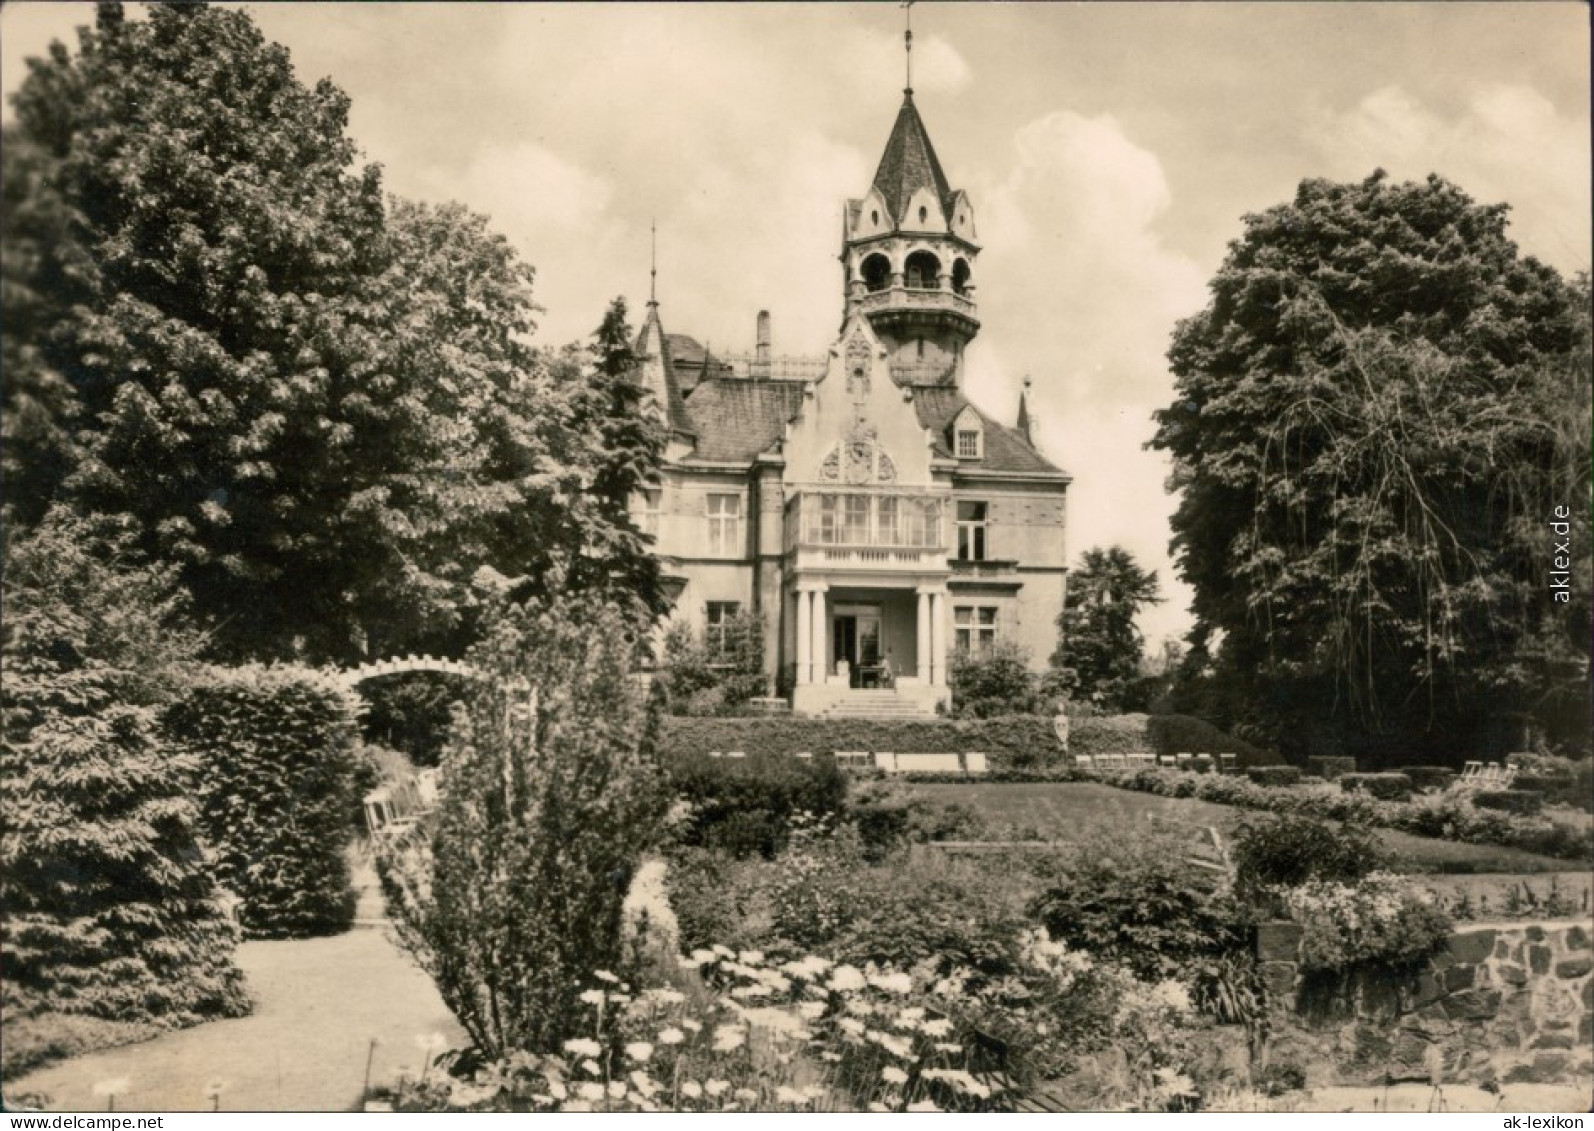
[[1228, 763]]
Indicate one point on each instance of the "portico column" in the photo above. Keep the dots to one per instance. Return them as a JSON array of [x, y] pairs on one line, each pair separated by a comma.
[[921, 663], [805, 640], [938, 637], [821, 659]]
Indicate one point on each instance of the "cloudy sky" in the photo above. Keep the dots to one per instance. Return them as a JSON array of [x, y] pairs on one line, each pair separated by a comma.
[[1110, 151]]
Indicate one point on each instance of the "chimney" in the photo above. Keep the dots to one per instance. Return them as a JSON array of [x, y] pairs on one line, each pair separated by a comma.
[[761, 361]]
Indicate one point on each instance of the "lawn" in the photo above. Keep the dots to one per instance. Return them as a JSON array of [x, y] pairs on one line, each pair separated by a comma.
[[1073, 811]]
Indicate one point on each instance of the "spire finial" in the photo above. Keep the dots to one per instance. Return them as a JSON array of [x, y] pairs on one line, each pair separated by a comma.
[[907, 43], [653, 269]]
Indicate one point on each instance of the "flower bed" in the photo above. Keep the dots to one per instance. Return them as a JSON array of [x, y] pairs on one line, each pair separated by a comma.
[[1448, 816]]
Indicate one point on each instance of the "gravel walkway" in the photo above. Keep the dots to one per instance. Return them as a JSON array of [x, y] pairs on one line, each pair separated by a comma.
[[320, 1004]]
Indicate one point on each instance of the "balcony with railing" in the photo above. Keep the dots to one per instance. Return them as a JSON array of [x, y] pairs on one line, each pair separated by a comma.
[[865, 530], [918, 298]]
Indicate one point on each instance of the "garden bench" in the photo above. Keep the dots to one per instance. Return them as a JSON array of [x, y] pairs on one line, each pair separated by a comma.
[[736, 754], [885, 761], [974, 764], [857, 759], [929, 764], [1228, 763], [1165, 759]]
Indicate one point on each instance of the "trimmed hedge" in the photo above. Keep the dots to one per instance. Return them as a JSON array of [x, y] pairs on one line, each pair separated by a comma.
[[1011, 742], [746, 806], [1330, 766], [1425, 778], [276, 786], [1275, 776], [1385, 787], [1436, 815], [1524, 801], [1185, 734]]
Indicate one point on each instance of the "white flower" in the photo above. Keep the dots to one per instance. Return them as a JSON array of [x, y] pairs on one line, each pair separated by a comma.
[[811, 1010], [617, 1089], [699, 957], [937, 1027], [590, 1090], [752, 957], [852, 1025], [605, 976], [892, 983], [746, 1094], [808, 966], [556, 1088], [593, 997], [691, 1025], [729, 1038], [844, 978], [787, 1095], [583, 1046], [891, 1043], [891, 1074], [666, 996], [692, 1089], [961, 1079], [948, 1046], [592, 1067], [639, 1051], [753, 990], [671, 1036], [724, 951], [717, 1087]]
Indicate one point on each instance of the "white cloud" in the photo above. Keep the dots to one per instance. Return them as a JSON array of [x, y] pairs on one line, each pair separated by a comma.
[[1507, 143], [1078, 290]]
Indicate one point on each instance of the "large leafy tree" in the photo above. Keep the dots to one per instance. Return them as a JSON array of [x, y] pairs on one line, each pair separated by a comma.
[[321, 406], [1098, 645], [1375, 420]]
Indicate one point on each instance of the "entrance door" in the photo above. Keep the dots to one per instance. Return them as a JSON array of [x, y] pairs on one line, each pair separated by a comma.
[[857, 640]]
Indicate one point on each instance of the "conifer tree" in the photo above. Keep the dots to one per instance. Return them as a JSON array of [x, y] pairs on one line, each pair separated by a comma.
[[111, 910]]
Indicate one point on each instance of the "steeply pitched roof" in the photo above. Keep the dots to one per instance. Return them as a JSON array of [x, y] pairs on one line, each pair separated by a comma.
[[736, 419], [909, 163], [1005, 449], [657, 371]]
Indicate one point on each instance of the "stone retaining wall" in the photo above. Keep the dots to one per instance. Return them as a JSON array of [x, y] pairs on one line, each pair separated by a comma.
[[1508, 1003]]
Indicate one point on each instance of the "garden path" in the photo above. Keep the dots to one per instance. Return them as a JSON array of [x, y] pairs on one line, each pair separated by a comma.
[[320, 1004]]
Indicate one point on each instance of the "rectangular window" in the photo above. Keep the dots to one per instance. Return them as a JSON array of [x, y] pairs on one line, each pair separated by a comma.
[[856, 531], [724, 525], [827, 522], [887, 519], [974, 628], [971, 532], [716, 626], [968, 444], [648, 511]]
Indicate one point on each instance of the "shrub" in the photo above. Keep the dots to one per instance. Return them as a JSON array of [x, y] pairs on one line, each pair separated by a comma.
[[1138, 904], [1376, 922], [111, 909], [278, 792], [1425, 779], [1525, 801], [1274, 776], [994, 682], [1385, 786], [714, 677], [1286, 851], [551, 797], [1109, 734], [745, 806]]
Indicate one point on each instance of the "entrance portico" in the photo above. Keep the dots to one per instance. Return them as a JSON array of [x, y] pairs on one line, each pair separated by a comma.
[[868, 633]]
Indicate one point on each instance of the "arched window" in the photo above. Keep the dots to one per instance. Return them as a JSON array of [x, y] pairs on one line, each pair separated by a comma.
[[923, 271], [876, 271], [960, 276], [874, 216]]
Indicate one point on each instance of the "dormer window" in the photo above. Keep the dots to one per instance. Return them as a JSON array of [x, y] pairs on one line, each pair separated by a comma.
[[968, 434], [968, 443]]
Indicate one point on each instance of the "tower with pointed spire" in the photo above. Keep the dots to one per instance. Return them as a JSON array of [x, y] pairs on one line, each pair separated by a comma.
[[909, 249]]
